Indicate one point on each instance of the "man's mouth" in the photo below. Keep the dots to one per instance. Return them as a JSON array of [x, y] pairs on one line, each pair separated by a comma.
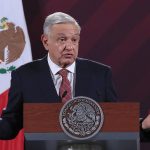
[[68, 55]]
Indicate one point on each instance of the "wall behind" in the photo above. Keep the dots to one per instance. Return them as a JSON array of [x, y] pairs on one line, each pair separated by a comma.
[[114, 32]]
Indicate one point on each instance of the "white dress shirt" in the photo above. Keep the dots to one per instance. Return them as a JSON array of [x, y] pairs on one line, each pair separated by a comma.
[[57, 79]]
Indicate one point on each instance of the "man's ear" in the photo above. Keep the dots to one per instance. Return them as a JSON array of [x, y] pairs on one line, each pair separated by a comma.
[[44, 39]]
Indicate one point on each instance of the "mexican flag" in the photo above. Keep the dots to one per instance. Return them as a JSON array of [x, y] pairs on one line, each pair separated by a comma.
[[15, 50]]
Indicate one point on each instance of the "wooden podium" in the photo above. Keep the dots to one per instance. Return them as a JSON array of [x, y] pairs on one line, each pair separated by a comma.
[[121, 122]]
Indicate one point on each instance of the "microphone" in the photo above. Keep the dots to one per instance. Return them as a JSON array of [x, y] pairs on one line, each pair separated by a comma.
[[64, 94]]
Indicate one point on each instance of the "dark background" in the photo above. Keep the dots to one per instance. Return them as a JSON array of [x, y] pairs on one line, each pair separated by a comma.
[[114, 32]]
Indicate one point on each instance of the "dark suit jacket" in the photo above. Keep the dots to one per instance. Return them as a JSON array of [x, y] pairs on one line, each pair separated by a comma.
[[33, 83]]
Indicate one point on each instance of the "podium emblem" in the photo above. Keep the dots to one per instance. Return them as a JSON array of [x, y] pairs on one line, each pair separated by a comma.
[[81, 118]]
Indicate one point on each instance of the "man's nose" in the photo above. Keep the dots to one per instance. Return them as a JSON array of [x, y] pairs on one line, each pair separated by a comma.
[[69, 45]]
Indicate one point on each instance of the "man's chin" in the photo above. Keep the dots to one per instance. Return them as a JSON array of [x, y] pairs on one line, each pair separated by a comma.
[[67, 62]]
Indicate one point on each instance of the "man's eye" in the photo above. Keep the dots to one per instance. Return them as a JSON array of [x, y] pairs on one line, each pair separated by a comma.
[[62, 39], [75, 40]]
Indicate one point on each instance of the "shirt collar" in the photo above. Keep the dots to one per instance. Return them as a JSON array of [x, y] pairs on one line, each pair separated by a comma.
[[55, 68]]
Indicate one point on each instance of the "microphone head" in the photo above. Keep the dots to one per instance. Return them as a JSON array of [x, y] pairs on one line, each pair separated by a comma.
[[64, 94]]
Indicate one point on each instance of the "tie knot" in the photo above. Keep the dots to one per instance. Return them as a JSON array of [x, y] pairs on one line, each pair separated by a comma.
[[63, 72]]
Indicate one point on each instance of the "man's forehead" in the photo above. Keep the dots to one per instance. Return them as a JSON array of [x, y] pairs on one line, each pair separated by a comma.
[[65, 27], [67, 34]]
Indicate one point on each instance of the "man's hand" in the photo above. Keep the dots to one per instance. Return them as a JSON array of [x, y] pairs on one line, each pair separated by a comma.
[[146, 123]]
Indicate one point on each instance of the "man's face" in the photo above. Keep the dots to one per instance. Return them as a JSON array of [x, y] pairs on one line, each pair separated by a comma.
[[62, 43]]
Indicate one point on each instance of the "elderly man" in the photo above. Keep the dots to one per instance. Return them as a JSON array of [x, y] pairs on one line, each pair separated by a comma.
[[58, 77]]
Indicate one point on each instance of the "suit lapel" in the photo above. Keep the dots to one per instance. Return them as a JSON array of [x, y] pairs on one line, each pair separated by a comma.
[[82, 83], [46, 82]]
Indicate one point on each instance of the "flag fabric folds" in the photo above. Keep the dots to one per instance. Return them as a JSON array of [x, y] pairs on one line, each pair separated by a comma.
[[15, 50]]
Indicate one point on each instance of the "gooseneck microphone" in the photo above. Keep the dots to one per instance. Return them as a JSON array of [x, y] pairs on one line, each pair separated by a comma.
[[64, 94]]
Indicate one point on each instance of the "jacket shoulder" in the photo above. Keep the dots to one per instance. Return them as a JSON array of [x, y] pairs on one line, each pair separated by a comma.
[[92, 64], [28, 67]]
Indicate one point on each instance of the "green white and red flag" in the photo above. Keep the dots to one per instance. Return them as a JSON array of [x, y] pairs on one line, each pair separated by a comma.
[[15, 50]]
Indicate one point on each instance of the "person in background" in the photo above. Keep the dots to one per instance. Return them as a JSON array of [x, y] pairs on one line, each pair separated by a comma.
[[145, 129]]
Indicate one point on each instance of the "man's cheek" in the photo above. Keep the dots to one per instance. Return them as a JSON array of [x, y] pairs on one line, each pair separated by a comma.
[[61, 48]]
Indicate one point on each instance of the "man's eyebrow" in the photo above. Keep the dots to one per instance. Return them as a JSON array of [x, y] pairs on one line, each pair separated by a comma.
[[77, 34]]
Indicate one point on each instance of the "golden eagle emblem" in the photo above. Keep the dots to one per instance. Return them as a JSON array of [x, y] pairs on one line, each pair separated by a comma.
[[12, 41]]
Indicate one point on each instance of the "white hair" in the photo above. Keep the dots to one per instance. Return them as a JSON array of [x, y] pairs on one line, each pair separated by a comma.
[[57, 18]]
